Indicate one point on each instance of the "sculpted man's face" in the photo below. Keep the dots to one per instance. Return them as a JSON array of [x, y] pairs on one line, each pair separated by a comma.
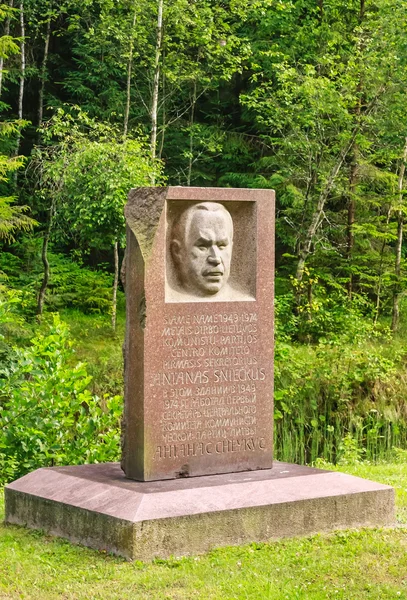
[[204, 251]]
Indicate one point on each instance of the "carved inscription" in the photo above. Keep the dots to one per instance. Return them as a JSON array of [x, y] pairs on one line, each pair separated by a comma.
[[208, 385]]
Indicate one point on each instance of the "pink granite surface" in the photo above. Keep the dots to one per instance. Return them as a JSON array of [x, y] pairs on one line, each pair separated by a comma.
[[103, 488], [199, 370]]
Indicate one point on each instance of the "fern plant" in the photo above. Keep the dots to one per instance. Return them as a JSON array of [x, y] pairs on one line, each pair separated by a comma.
[[13, 218]]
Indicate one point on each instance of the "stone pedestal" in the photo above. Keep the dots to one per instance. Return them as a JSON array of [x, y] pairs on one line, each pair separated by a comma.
[[97, 506]]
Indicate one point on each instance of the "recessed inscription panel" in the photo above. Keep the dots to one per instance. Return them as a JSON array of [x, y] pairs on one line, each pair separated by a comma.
[[199, 369], [206, 390]]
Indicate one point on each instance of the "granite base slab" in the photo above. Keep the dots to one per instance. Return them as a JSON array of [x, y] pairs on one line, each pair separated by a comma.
[[95, 505]]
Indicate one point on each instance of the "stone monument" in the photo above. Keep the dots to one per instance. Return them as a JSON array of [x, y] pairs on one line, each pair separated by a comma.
[[199, 345], [198, 419]]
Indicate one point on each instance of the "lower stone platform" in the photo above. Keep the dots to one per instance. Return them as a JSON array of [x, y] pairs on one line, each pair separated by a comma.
[[97, 506]]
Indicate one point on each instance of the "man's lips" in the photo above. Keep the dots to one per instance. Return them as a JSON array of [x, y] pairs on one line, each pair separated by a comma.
[[213, 273]]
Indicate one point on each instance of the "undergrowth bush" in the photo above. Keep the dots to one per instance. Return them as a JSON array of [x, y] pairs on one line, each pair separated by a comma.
[[345, 390], [12, 323], [48, 416], [329, 317], [326, 392], [71, 284]]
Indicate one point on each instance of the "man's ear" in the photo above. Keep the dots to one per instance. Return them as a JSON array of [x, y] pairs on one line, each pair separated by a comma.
[[175, 248]]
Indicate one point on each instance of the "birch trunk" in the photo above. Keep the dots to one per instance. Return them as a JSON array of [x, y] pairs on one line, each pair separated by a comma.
[[399, 244], [43, 74], [115, 284], [164, 112], [354, 172], [351, 222], [22, 76], [380, 277], [156, 82], [44, 258], [191, 136], [129, 72]]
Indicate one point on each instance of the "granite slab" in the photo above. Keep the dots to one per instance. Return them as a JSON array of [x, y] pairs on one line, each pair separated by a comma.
[[97, 506]]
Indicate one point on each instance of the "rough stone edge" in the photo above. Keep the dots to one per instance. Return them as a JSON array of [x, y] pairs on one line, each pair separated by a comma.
[[80, 526], [195, 534], [142, 211]]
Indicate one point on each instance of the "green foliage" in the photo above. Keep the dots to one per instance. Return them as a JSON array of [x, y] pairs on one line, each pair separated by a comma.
[[326, 314], [11, 321], [48, 416], [71, 284], [12, 217], [349, 452], [87, 175], [100, 347], [339, 391]]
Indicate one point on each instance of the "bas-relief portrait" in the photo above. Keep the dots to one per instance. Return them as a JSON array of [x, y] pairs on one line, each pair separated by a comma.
[[200, 253]]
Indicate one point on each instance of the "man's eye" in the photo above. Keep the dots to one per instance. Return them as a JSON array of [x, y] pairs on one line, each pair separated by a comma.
[[222, 246], [203, 248]]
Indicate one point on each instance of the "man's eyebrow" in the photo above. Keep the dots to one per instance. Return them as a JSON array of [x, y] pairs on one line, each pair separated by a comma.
[[202, 240]]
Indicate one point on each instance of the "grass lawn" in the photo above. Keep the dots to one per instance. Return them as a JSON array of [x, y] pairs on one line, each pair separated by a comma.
[[348, 565]]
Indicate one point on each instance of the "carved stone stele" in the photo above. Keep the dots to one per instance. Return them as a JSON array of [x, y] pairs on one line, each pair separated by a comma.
[[199, 336]]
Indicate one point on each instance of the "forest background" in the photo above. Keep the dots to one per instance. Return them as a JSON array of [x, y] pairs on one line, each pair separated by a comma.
[[307, 97]]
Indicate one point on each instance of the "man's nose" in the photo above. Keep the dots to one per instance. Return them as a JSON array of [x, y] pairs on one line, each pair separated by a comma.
[[214, 255]]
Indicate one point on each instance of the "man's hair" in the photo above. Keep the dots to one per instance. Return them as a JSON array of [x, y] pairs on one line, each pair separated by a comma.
[[180, 226]]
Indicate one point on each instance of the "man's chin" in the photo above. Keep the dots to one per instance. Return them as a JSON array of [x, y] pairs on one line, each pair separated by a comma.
[[212, 288]]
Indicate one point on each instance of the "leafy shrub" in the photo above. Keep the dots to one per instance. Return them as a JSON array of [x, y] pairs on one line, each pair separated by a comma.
[[48, 416], [349, 452], [324, 312]]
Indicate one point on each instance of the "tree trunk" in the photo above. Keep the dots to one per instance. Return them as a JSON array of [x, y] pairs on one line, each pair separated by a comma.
[[164, 112], [43, 73], [316, 218], [191, 136], [129, 72], [6, 33], [321, 10], [351, 222], [399, 244], [353, 172], [44, 257], [379, 282], [115, 284], [156, 83], [22, 76]]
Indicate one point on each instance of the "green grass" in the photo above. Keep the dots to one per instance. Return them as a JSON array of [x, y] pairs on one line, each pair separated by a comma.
[[348, 565]]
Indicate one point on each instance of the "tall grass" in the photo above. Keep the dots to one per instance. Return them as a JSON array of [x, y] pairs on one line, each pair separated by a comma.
[[326, 394]]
